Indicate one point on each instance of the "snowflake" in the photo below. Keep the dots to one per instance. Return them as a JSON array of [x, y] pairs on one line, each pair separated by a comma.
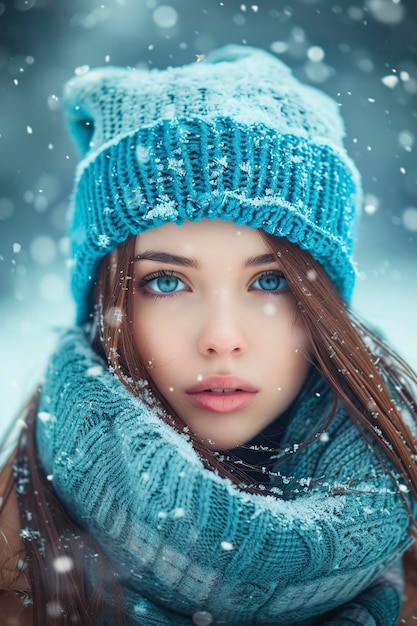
[[103, 241], [222, 161], [177, 165], [246, 167], [164, 210]]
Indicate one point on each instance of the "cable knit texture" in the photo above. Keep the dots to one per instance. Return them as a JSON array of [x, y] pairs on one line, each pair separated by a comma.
[[188, 545], [236, 137]]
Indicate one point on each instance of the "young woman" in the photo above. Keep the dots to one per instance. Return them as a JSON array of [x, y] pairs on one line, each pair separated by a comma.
[[218, 440]]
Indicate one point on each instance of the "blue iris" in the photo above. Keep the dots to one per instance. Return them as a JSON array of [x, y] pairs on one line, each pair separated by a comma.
[[166, 284], [270, 282]]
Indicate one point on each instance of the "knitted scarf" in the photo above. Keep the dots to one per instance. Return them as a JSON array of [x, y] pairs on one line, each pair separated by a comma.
[[189, 546]]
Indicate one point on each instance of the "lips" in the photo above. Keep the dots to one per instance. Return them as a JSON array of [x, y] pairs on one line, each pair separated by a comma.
[[222, 383], [222, 394]]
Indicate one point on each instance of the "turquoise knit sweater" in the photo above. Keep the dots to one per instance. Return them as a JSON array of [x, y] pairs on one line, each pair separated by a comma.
[[192, 548]]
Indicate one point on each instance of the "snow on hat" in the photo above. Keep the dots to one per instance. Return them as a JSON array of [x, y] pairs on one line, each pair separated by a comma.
[[236, 137]]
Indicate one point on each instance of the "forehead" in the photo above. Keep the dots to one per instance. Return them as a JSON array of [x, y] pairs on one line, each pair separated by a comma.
[[195, 238]]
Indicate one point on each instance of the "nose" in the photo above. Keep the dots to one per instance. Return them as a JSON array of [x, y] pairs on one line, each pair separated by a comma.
[[221, 331]]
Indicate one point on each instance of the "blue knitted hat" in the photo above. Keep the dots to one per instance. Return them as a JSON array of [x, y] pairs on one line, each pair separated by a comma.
[[235, 137]]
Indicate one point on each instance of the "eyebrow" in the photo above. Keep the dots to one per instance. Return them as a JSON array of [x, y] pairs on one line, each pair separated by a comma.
[[261, 259], [164, 257], [184, 261]]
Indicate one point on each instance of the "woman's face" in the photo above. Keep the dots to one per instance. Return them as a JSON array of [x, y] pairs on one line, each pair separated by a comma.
[[214, 321]]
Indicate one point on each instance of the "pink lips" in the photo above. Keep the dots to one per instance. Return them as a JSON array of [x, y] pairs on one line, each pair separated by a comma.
[[222, 394]]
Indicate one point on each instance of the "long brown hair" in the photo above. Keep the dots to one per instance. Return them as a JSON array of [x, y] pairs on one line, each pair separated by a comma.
[[366, 375], [60, 556]]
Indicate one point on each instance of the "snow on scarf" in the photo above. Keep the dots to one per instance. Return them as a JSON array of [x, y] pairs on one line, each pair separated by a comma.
[[192, 548]]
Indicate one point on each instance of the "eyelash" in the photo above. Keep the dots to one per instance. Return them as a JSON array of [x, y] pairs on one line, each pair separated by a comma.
[[144, 282], [271, 292]]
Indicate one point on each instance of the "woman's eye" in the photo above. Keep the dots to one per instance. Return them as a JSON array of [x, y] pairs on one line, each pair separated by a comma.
[[164, 284], [270, 281]]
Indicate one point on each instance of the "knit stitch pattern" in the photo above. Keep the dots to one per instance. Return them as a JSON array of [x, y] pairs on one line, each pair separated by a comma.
[[236, 137], [185, 540]]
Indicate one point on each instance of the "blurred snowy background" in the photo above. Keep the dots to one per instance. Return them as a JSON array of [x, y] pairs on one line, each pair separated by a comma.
[[361, 52]]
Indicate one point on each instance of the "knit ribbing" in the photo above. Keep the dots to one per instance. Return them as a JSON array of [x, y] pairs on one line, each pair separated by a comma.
[[236, 138], [283, 185], [184, 539]]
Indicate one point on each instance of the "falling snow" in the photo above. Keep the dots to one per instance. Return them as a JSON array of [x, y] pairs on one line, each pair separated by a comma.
[[114, 316], [63, 564], [409, 218], [269, 308], [202, 618], [165, 16], [82, 69], [390, 81], [46, 417], [54, 609], [95, 370], [347, 57]]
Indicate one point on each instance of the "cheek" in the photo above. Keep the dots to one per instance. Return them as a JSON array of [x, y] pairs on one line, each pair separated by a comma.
[[281, 325], [144, 341], [156, 343], [292, 349]]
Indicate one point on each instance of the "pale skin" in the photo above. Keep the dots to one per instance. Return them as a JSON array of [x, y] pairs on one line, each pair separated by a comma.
[[216, 324]]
